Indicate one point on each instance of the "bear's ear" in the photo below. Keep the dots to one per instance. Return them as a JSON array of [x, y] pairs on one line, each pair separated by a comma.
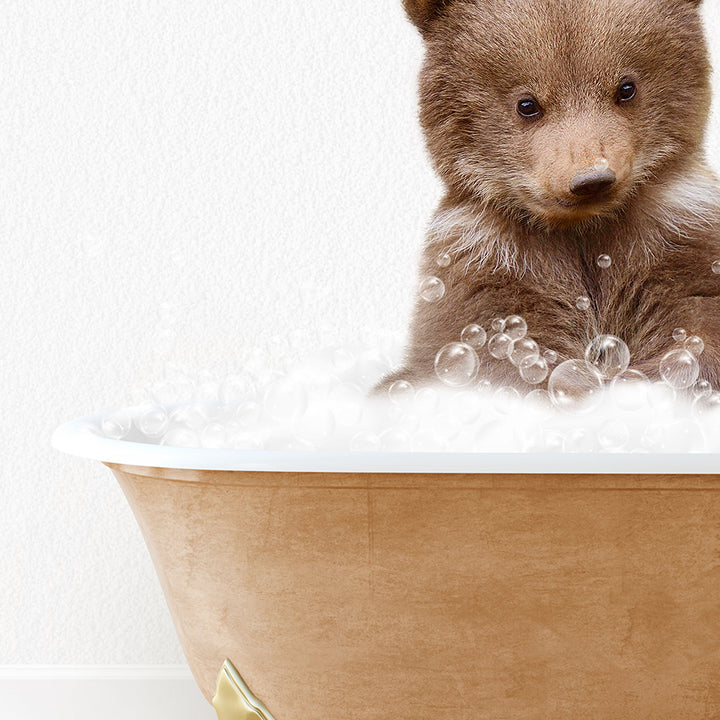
[[421, 12]]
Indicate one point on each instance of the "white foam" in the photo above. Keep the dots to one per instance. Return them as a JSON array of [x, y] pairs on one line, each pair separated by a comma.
[[322, 404]]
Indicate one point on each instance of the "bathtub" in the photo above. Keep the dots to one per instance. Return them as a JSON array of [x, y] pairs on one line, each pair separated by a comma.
[[360, 586]]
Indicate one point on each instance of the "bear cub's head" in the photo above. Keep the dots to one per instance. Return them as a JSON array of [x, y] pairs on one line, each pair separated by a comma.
[[558, 111]]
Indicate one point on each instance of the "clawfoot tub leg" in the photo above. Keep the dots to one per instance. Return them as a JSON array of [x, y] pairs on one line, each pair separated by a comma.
[[233, 699]]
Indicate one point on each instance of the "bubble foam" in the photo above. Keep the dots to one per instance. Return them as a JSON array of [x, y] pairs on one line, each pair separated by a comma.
[[323, 403]]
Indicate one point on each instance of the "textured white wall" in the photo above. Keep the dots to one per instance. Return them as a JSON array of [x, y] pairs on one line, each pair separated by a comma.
[[219, 155]]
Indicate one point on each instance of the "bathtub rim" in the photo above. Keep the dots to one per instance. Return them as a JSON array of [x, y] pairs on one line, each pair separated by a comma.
[[77, 438]]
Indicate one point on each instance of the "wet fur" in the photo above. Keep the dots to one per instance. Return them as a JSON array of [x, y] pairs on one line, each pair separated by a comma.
[[511, 252]]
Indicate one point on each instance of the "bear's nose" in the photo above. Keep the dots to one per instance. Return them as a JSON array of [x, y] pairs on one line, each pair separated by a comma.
[[592, 181]]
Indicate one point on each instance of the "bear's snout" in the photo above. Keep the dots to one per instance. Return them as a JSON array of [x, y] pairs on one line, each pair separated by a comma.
[[592, 181]]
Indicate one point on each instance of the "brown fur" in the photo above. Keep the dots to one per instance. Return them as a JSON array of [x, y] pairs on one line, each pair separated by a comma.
[[516, 247]]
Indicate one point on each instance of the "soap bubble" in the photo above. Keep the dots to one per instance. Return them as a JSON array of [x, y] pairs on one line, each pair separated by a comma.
[[181, 437], [579, 440], [608, 354], [213, 435], [432, 289], [498, 325], [631, 389], [315, 426], [285, 399], [533, 439], [707, 404], [575, 386], [141, 396], [515, 327], [679, 334], [396, 440], [604, 261], [164, 392], [346, 400], [290, 444], [702, 388], [653, 437], [679, 369], [613, 435], [553, 441], [694, 345], [683, 436], [153, 421], [534, 373], [716, 267], [474, 336], [550, 356], [661, 397], [242, 440], [426, 400], [428, 441], [444, 259], [524, 352], [469, 405], [116, 424], [247, 413], [539, 399], [456, 364], [312, 405], [371, 366], [365, 441], [583, 303], [193, 416], [401, 391], [506, 400], [446, 425], [500, 346], [236, 388]]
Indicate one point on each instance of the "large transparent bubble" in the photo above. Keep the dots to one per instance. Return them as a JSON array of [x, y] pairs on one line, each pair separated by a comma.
[[401, 391], [285, 399], [500, 346], [456, 364], [679, 369], [608, 355], [535, 372], [153, 421], [694, 345], [515, 327], [524, 351], [432, 289], [116, 424], [631, 389], [575, 386], [474, 336]]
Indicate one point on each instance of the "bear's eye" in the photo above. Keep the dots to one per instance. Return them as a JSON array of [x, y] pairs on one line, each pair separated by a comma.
[[528, 107], [626, 91]]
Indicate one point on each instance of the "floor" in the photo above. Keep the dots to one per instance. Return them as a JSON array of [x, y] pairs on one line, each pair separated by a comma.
[[109, 699]]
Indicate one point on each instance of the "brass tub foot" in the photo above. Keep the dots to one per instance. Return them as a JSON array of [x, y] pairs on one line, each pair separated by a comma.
[[233, 699]]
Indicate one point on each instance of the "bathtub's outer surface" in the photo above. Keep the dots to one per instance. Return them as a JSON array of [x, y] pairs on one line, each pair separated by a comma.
[[415, 596]]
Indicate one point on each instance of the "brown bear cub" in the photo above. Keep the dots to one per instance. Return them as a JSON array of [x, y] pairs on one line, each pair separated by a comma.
[[566, 130]]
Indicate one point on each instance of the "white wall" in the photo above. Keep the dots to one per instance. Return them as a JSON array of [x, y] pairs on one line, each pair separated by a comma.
[[219, 155]]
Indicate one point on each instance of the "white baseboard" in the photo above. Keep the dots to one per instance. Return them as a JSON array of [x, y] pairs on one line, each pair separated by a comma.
[[110, 692]]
